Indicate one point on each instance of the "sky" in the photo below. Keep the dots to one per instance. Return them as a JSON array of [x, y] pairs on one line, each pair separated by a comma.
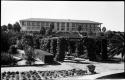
[[110, 13]]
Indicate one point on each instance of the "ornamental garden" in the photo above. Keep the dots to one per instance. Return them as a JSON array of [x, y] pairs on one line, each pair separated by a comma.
[[52, 48]]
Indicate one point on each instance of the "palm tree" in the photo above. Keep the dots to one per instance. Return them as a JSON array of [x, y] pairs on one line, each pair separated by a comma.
[[116, 45]]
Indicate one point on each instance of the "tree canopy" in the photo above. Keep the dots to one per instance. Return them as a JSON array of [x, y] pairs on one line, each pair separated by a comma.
[[16, 27], [9, 26]]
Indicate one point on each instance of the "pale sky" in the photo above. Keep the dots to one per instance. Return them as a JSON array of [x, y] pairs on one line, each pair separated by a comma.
[[110, 13]]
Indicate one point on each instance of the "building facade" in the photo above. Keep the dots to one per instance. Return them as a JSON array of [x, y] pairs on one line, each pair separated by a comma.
[[60, 25]]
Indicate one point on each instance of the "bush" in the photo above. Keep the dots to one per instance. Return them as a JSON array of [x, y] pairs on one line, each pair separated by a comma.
[[7, 59], [91, 69], [4, 42], [30, 55]]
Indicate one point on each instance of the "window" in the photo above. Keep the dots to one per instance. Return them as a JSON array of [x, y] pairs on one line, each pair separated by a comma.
[[38, 23], [57, 25], [88, 25], [28, 28], [73, 24], [62, 26], [23, 23], [33, 24], [46, 23], [73, 29], [28, 23], [94, 27], [42, 24], [67, 26]]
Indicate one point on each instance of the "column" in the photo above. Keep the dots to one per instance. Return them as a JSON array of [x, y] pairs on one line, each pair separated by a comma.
[[25, 23], [100, 27], [60, 26], [55, 26], [65, 27], [70, 26]]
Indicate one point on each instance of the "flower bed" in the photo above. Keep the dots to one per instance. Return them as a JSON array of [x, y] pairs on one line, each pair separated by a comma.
[[42, 75]]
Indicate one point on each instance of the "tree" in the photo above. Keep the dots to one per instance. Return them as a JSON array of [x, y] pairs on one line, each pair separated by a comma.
[[4, 28], [109, 34], [116, 45], [90, 44], [28, 40], [79, 28], [9, 26], [16, 27], [99, 29], [7, 59], [90, 34], [42, 31], [13, 49], [30, 55], [50, 30], [4, 41], [103, 29]]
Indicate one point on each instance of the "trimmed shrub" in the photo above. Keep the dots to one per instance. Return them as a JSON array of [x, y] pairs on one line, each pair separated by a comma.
[[91, 49], [7, 59]]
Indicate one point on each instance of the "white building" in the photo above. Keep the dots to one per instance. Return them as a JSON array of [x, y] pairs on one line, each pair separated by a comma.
[[60, 25]]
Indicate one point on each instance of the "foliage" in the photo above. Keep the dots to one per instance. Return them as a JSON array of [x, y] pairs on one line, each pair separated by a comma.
[[45, 44], [8, 38], [50, 30], [61, 49], [80, 48], [12, 40], [16, 27], [30, 55], [3, 28], [104, 29], [91, 69], [4, 42], [91, 48], [43, 75], [79, 28], [9, 26], [43, 31], [104, 49], [116, 45], [13, 49], [7, 59], [28, 40]]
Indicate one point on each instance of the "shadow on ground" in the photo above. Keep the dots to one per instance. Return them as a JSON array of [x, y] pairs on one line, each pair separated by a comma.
[[77, 61], [113, 60], [114, 76], [38, 65]]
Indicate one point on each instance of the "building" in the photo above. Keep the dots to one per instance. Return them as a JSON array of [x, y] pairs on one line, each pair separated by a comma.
[[60, 25]]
